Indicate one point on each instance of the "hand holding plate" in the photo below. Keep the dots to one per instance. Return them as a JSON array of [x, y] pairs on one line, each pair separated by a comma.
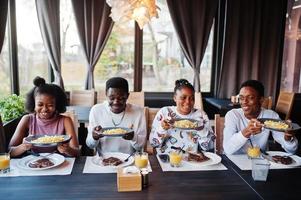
[[97, 133], [128, 136], [166, 124]]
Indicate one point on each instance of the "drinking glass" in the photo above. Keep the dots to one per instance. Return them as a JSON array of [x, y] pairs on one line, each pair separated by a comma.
[[175, 158], [141, 160], [260, 169], [4, 163]]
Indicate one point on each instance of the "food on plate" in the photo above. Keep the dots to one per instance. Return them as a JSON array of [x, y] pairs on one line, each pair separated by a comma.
[[111, 161], [41, 163], [185, 124], [49, 139], [115, 131], [253, 152], [197, 157], [286, 160], [276, 124]]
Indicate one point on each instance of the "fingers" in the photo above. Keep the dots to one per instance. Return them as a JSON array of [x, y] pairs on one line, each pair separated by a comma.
[[165, 124], [26, 146]]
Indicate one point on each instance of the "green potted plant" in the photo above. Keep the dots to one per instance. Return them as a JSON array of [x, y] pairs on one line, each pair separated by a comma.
[[11, 107], [11, 110]]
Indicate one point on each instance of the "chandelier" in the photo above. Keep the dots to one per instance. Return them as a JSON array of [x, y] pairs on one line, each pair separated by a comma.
[[142, 11]]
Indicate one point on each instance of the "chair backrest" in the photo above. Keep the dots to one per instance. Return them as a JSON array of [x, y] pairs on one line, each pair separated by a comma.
[[136, 98], [2, 138], [198, 100], [284, 104], [82, 97], [149, 121], [73, 116], [267, 102], [219, 124], [101, 96]]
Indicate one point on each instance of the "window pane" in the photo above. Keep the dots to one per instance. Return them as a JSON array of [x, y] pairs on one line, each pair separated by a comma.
[[163, 59], [117, 58], [73, 60], [5, 89], [291, 73], [32, 57]]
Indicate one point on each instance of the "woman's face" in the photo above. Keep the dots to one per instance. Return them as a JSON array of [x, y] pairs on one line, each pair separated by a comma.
[[184, 99], [45, 106], [117, 99], [250, 102]]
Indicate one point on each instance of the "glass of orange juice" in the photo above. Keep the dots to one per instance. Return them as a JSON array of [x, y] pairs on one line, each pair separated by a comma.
[[4, 163], [253, 152], [175, 158], [141, 159]]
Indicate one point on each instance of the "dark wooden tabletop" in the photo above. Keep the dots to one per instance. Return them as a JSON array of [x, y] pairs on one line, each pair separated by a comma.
[[168, 185], [281, 183]]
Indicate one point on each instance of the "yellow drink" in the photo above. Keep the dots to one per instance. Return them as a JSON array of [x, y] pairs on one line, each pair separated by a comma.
[[4, 163], [141, 160], [175, 158], [253, 152]]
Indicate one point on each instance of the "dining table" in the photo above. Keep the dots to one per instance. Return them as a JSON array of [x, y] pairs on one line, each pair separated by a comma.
[[225, 184]]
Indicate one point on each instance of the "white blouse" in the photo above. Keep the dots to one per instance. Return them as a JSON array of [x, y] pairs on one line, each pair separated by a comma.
[[188, 139]]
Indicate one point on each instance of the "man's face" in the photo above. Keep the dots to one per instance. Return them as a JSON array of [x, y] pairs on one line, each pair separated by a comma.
[[250, 102], [117, 99]]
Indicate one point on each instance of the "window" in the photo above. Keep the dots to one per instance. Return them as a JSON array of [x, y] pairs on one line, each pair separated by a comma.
[[32, 57], [73, 61], [291, 71], [4, 68], [117, 58], [163, 59]]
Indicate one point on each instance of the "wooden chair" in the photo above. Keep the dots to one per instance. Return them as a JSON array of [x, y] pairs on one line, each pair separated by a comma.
[[267, 102], [284, 104], [2, 138], [219, 128], [82, 97], [101, 96], [149, 121], [73, 116], [136, 98], [198, 100]]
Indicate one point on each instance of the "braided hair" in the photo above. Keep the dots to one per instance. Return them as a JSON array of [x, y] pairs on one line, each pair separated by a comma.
[[41, 87]]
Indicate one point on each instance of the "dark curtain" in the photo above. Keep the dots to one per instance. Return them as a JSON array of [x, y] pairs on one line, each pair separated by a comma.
[[3, 17], [49, 21], [193, 20], [94, 27], [252, 46]]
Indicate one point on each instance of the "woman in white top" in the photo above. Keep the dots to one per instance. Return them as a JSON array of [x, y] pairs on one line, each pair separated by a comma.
[[115, 112], [241, 125], [164, 136]]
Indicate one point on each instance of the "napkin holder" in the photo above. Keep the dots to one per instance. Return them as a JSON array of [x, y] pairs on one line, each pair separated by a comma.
[[128, 181]]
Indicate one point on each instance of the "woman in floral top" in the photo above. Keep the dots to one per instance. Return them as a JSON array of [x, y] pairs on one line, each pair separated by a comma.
[[164, 135]]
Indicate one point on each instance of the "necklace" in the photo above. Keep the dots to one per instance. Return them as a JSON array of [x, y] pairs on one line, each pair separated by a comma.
[[117, 124]]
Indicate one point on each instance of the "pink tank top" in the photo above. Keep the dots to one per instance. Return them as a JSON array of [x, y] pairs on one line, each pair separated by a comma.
[[53, 126]]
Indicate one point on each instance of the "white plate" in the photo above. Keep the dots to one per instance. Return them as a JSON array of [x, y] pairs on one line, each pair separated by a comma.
[[296, 159], [122, 156], [213, 160], [57, 159]]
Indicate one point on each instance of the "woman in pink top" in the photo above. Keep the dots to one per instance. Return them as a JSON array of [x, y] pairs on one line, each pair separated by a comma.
[[44, 102]]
